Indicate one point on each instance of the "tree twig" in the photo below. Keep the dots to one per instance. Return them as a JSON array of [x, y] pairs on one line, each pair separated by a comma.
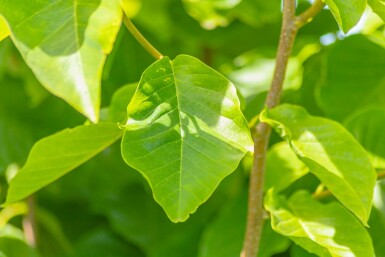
[[255, 213], [141, 39], [29, 223]]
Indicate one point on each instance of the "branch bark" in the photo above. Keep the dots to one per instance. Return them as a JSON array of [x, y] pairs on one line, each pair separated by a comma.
[[290, 25]]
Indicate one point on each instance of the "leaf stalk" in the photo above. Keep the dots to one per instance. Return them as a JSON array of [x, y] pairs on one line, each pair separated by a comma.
[[141, 39]]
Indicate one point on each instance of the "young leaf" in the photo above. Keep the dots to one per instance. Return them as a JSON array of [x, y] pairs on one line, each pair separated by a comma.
[[4, 30], [331, 153], [65, 43], [367, 127], [326, 230], [347, 13], [378, 6], [185, 133], [54, 156]]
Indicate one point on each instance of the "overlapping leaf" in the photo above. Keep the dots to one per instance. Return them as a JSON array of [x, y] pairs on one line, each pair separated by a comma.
[[353, 65], [331, 153], [326, 230], [367, 127], [282, 167], [56, 155], [347, 13], [185, 133], [65, 43], [378, 6]]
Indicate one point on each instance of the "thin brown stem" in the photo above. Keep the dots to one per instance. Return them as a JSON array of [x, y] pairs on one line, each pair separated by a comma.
[[141, 39], [262, 135], [29, 222], [309, 14], [255, 213]]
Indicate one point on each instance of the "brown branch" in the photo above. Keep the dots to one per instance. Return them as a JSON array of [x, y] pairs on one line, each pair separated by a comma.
[[29, 222], [255, 213], [261, 138]]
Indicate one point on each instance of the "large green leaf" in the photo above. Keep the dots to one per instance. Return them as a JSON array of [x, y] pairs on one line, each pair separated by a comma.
[[4, 30], [367, 126], [65, 42], [354, 77], [56, 155], [331, 153], [347, 13], [326, 230], [185, 133]]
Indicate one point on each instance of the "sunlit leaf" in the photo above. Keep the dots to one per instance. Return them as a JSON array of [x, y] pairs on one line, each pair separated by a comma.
[[56, 155], [331, 153], [378, 6], [325, 230], [185, 133], [65, 43], [4, 30], [347, 13]]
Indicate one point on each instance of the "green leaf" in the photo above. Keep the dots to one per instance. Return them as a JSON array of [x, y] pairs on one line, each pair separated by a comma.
[[378, 6], [185, 133], [331, 153], [282, 167], [4, 30], [367, 127], [65, 43], [117, 111], [54, 156], [353, 73], [347, 13], [211, 13], [13, 244], [224, 236], [326, 230]]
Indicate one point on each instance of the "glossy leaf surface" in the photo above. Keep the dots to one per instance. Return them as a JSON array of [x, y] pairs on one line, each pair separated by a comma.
[[185, 133], [54, 156], [325, 230], [331, 153], [347, 13], [65, 43]]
